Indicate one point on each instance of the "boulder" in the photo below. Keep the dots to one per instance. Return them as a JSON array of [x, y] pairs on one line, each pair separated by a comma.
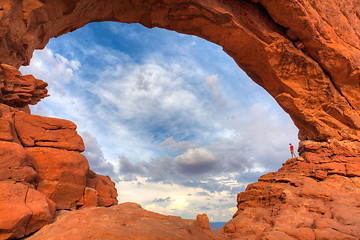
[[61, 174], [23, 210], [20, 91], [203, 221], [41, 131], [105, 188], [13, 163]]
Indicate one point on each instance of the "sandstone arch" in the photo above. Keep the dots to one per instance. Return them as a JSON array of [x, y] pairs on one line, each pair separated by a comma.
[[294, 49], [305, 53]]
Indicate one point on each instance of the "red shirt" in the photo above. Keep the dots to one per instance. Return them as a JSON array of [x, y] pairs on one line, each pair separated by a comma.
[[291, 148]]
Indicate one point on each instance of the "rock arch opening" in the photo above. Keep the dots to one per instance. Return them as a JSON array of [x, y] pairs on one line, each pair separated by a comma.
[[145, 100], [307, 59]]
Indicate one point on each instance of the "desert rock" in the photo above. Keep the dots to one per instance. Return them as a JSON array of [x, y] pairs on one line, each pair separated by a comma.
[[313, 50], [61, 174], [311, 197], [23, 210], [47, 132], [124, 221], [203, 221], [13, 163], [105, 189], [18, 90], [307, 59]]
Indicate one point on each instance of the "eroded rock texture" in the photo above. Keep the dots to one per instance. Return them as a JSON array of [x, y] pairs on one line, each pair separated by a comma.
[[295, 49], [124, 221], [41, 168], [315, 196], [19, 91], [305, 53]]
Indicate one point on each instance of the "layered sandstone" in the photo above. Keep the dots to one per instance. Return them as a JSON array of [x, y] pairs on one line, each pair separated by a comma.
[[315, 196], [312, 50], [20, 91], [47, 132], [41, 168]]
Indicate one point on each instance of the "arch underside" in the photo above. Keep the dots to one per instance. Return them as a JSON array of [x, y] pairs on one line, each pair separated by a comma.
[[305, 54]]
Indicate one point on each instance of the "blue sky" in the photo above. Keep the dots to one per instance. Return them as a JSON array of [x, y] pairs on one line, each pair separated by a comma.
[[171, 118]]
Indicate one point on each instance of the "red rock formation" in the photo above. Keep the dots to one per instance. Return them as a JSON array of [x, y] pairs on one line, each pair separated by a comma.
[[313, 50], [23, 210], [19, 91], [41, 169], [47, 132], [13, 163], [315, 196], [124, 221], [203, 221], [105, 188], [305, 53], [61, 174]]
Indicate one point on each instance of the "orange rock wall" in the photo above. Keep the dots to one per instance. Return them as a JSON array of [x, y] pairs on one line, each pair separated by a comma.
[[315, 196], [41, 168]]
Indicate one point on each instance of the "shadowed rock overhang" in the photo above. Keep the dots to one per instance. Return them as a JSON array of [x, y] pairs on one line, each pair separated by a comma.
[[305, 53]]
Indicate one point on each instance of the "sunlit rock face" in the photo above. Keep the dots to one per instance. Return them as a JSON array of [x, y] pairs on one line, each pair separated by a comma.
[[315, 196], [41, 168], [18, 90], [305, 53], [124, 221]]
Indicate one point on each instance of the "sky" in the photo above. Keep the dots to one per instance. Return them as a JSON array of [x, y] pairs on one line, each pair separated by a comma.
[[171, 118]]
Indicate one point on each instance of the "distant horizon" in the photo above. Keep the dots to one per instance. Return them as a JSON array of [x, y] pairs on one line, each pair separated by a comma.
[[171, 118]]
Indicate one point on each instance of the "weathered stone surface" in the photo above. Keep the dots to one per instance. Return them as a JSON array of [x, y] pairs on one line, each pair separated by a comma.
[[299, 203], [41, 131], [7, 129], [124, 221], [42, 208], [61, 174], [313, 50], [106, 191], [203, 221], [18, 90], [13, 164], [89, 199], [23, 210]]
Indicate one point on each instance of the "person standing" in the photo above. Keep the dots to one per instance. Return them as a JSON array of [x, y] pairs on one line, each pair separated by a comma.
[[292, 151]]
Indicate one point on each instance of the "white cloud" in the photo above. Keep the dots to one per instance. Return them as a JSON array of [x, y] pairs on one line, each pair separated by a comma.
[[216, 94], [195, 161], [52, 66], [178, 147], [178, 200], [95, 156], [161, 115]]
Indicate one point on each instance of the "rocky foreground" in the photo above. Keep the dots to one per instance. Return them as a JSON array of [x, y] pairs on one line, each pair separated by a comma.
[[124, 221], [304, 53]]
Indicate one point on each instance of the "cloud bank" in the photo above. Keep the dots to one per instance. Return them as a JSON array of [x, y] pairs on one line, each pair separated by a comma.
[[171, 118]]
